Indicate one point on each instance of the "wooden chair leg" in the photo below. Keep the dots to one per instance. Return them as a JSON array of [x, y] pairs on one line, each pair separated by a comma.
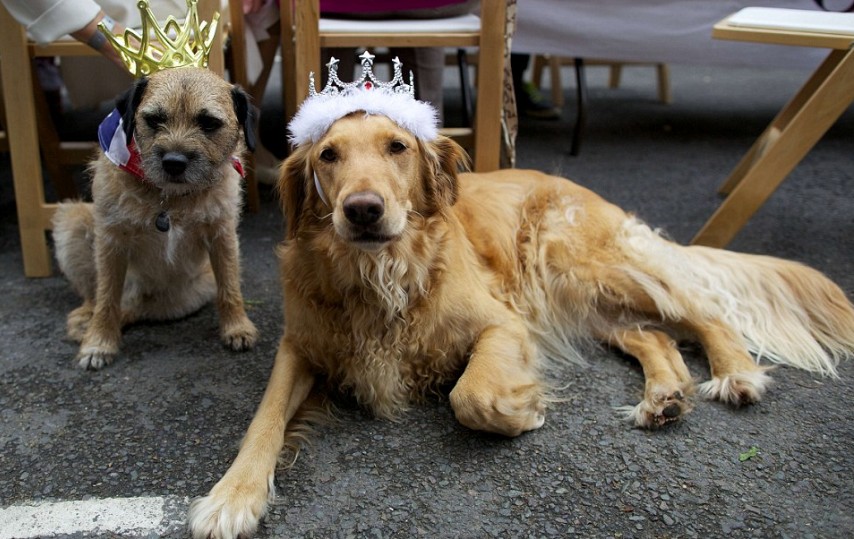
[[801, 124], [538, 65], [664, 94], [490, 85], [34, 214], [239, 76], [772, 132], [615, 75]]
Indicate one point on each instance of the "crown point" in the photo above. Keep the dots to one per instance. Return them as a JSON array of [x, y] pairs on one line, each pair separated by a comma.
[[367, 57], [154, 48]]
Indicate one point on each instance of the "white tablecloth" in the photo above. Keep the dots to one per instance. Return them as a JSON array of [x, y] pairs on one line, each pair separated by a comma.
[[650, 31]]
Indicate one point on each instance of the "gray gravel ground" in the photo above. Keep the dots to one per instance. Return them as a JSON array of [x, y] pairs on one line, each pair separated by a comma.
[[167, 417]]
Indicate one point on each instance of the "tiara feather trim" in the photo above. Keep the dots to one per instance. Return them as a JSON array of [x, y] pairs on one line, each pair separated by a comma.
[[394, 99], [316, 115]]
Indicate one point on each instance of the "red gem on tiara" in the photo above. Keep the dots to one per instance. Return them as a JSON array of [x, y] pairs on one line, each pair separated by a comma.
[[368, 85]]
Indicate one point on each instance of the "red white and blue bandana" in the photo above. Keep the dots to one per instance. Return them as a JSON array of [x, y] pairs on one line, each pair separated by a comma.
[[123, 154]]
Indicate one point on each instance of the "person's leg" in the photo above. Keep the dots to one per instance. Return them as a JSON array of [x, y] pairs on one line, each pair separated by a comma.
[[529, 102]]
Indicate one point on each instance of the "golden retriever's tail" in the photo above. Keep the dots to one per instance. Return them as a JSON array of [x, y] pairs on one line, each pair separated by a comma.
[[787, 312]]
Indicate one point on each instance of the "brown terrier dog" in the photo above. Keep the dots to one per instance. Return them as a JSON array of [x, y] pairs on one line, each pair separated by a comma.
[[160, 239]]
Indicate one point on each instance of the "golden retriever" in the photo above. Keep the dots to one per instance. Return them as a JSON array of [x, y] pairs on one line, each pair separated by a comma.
[[401, 275]]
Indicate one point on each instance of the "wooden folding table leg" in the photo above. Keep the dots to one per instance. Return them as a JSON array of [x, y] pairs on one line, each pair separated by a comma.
[[808, 122], [779, 123]]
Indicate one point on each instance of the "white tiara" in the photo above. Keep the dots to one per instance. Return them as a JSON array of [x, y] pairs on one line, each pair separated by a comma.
[[394, 99]]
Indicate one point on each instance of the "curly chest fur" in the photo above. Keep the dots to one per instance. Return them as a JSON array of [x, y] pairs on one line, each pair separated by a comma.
[[385, 363]]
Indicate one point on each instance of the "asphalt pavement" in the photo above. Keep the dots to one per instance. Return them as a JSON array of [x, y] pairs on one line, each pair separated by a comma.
[[120, 452]]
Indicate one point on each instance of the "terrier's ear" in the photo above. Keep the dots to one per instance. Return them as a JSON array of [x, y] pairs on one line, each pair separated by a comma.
[[127, 104], [247, 115]]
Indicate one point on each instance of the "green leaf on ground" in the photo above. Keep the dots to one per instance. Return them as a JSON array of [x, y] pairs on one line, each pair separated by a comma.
[[749, 454]]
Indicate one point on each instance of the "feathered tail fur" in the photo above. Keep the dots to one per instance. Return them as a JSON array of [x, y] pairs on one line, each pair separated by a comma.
[[786, 312]]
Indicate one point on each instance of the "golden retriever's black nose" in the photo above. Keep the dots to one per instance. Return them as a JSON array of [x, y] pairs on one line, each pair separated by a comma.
[[364, 208], [174, 163]]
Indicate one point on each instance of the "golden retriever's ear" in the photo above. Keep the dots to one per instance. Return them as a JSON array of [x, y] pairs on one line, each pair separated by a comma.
[[292, 188], [444, 160]]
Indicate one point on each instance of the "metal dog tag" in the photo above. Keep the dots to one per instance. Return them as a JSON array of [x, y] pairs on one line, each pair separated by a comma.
[[162, 222]]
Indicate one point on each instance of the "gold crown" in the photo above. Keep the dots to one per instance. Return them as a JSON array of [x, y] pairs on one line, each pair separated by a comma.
[[175, 44]]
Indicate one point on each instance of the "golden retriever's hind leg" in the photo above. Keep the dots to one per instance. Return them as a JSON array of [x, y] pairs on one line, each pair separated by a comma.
[[667, 380], [736, 378], [500, 390]]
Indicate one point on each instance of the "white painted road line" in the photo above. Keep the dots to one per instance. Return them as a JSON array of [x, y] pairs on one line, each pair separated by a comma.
[[124, 516]]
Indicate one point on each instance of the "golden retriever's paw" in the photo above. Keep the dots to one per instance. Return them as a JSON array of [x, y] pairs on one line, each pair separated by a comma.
[[78, 322], [658, 408], [241, 336], [228, 512], [737, 389], [510, 412]]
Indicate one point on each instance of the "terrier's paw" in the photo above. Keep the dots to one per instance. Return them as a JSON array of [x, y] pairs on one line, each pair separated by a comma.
[[240, 336], [229, 511], [94, 358], [78, 322], [658, 408], [737, 389]]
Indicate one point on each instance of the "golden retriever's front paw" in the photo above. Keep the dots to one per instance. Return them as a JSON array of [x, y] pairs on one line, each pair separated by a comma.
[[227, 512], [240, 336], [94, 358], [658, 408], [509, 411]]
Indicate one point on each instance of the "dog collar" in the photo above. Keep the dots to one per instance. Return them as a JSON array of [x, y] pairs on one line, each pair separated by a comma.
[[124, 154]]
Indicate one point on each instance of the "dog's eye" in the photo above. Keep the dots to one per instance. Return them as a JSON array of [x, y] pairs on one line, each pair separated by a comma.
[[397, 147], [208, 124], [154, 120], [328, 155]]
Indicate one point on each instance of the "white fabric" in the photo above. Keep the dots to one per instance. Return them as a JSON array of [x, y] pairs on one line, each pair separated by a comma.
[[795, 19], [49, 20], [317, 114], [52, 20], [667, 31], [463, 23]]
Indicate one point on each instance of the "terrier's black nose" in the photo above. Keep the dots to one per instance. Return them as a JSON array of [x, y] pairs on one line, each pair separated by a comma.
[[364, 208], [174, 163]]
